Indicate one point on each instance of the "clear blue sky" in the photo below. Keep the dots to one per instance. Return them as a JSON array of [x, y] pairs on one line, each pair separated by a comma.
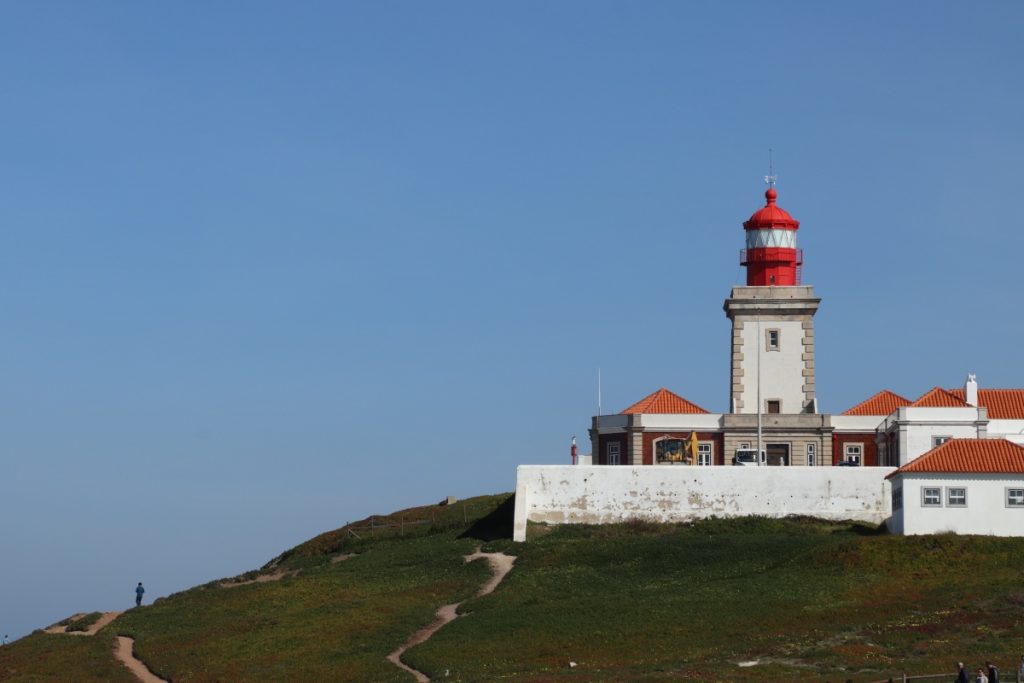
[[269, 267]]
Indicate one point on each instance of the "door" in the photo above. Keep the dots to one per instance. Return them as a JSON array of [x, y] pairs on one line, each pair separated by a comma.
[[777, 454]]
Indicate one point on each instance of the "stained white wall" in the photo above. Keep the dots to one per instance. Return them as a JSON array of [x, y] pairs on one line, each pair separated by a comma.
[[781, 371], [986, 511], [603, 495]]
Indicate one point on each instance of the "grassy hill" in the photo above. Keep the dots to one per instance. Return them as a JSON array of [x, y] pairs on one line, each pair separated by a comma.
[[805, 599]]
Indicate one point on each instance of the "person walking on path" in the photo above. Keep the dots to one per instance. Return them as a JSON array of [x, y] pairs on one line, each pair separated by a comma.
[[993, 672], [961, 673], [139, 590], [981, 677]]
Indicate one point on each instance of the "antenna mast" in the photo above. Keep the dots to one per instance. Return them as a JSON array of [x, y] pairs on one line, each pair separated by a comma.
[[771, 177]]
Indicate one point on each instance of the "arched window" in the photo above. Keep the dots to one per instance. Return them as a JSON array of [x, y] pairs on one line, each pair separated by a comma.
[[671, 451]]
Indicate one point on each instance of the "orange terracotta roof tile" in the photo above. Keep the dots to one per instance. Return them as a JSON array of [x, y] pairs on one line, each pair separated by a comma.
[[939, 398], [663, 402], [882, 403], [1002, 404], [996, 456]]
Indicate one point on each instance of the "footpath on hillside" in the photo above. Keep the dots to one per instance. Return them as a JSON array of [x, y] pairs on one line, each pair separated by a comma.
[[124, 648], [501, 565]]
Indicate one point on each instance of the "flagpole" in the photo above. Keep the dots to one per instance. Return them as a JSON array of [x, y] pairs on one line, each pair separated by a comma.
[[758, 343]]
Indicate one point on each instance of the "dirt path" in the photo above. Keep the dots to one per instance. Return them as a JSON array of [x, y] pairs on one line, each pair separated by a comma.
[[105, 619], [501, 565], [124, 651], [260, 578], [63, 628]]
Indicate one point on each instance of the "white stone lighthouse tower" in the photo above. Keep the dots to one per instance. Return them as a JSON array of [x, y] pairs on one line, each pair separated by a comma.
[[772, 320]]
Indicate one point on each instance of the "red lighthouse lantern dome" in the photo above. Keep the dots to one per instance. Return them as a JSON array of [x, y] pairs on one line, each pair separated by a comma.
[[771, 256]]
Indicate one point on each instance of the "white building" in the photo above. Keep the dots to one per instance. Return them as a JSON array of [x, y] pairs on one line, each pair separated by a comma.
[[963, 486]]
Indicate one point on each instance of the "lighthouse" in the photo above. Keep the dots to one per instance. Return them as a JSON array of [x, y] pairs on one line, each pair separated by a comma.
[[771, 255], [772, 318]]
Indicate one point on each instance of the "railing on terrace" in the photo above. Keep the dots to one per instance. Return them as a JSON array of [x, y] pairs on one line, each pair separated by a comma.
[[904, 678]]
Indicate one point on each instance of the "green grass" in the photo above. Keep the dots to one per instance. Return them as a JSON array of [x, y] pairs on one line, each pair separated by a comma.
[[632, 602], [41, 657], [809, 600]]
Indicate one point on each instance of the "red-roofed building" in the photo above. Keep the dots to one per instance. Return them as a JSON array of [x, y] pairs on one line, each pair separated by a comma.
[[656, 430], [855, 439], [964, 486]]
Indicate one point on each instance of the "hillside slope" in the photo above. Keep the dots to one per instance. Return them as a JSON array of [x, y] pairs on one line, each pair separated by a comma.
[[642, 602]]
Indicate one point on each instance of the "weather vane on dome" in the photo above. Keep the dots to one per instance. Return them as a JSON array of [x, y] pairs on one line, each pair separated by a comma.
[[771, 177]]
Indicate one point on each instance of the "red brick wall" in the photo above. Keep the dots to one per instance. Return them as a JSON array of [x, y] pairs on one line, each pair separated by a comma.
[[867, 441]]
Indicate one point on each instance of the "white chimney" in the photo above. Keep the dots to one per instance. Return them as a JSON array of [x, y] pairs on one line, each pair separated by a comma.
[[971, 390]]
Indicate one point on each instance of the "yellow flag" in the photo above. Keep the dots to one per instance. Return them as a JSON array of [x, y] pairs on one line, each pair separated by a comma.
[[692, 447]]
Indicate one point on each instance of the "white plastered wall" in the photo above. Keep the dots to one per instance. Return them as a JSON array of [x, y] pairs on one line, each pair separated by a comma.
[[856, 423], [1007, 429], [603, 495], [986, 511]]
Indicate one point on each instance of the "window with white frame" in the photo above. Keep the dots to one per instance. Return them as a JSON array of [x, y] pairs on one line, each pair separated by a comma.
[[897, 498], [812, 454], [853, 451], [931, 497], [613, 449], [939, 440], [773, 340], [956, 497], [1015, 498], [704, 454]]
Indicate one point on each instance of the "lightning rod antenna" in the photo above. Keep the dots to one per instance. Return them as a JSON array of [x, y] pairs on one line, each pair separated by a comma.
[[771, 177]]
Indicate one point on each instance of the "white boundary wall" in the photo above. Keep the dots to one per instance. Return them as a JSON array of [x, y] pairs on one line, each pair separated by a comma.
[[566, 494]]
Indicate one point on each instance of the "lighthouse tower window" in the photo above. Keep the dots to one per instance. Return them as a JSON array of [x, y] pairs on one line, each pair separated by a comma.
[[772, 340]]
